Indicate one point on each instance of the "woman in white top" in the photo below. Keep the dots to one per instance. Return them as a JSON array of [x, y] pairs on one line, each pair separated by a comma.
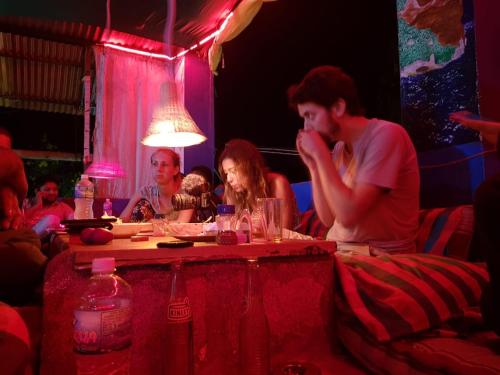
[[157, 198]]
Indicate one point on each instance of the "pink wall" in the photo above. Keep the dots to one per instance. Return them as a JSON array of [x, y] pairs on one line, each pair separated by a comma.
[[488, 56]]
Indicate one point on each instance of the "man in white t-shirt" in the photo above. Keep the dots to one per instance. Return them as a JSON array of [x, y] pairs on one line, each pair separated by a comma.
[[364, 171]]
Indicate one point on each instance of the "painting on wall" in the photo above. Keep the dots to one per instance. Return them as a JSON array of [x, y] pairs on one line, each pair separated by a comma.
[[437, 70]]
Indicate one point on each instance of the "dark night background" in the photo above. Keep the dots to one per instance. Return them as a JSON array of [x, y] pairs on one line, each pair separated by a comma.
[[285, 40]]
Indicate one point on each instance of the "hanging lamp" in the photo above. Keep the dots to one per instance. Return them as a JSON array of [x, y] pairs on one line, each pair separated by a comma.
[[171, 124]]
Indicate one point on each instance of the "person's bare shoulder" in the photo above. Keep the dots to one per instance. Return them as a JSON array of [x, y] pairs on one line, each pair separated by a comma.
[[277, 182]]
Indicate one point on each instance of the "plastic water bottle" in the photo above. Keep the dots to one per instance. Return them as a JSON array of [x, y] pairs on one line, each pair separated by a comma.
[[84, 198], [254, 327], [102, 320], [179, 331], [107, 207]]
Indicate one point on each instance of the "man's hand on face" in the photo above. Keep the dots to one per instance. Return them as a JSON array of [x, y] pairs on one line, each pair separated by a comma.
[[312, 144], [306, 158], [11, 216]]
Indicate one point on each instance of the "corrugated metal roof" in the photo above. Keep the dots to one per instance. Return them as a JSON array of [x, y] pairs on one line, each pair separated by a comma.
[[42, 60], [194, 19], [47, 29], [40, 75], [75, 33]]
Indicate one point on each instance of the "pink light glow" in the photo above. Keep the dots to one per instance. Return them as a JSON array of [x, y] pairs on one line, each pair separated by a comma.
[[138, 52], [105, 170], [180, 54]]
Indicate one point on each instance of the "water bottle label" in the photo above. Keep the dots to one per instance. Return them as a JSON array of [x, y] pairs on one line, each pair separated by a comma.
[[96, 331], [179, 311], [84, 192]]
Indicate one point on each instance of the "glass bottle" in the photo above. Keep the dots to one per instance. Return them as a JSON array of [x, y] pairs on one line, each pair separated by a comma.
[[254, 327], [179, 332]]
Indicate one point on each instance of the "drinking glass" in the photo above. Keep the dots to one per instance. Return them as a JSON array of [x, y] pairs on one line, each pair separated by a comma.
[[268, 213]]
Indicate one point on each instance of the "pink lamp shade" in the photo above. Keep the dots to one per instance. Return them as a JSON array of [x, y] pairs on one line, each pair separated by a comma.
[[105, 170], [172, 125]]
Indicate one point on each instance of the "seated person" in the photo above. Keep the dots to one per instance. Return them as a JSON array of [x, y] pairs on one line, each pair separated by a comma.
[[21, 261], [246, 178], [487, 219], [209, 212], [364, 171], [156, 199], [47, 212]]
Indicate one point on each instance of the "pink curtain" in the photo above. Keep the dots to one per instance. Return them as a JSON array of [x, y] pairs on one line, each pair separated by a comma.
[[127, 91]]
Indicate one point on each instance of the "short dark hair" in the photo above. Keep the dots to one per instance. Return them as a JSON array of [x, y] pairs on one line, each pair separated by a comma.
[[49, 178], [324, 85]]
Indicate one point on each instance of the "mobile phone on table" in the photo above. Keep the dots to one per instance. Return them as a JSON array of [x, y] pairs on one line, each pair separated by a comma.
[[175, 244]]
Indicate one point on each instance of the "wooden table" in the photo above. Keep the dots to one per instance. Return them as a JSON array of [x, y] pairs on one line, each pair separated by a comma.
[[127, 252], [298, 283]]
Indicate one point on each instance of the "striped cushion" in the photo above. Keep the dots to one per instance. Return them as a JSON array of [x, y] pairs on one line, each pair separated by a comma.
[[311, 225], [446, 231], [378, 358], [436, 352], [394, 296]]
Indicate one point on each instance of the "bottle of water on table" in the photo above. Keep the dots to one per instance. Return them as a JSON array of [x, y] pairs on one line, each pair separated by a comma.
[[102, 324], [84, 198]]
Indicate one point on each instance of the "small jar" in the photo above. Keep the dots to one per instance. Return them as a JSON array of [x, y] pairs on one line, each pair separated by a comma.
[[225, 225]]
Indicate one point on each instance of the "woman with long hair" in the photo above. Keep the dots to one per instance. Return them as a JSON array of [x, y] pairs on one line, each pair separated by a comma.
[[157, 198], [246, 178]]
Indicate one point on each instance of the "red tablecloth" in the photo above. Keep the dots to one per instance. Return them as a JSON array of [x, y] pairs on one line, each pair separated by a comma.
[[298, 298]]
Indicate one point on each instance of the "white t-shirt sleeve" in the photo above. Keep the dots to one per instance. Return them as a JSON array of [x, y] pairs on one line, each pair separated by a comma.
[[383, 157]]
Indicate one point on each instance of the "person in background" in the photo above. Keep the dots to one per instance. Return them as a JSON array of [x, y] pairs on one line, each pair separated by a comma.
[[364, 171], [246, 178], [21, 261], [486, 239], [488, 129], [47, 212], [157, 198], [207, 213]]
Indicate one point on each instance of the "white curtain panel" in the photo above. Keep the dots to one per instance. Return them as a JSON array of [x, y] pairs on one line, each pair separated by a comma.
[[127, 91]]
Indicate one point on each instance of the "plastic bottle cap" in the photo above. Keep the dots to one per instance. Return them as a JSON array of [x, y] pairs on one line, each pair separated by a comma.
[[85, 177], [102, 265], [225, 209], [107, 200]]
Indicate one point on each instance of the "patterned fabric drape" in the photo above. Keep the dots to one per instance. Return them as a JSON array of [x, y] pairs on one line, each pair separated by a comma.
[[127, 91]]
